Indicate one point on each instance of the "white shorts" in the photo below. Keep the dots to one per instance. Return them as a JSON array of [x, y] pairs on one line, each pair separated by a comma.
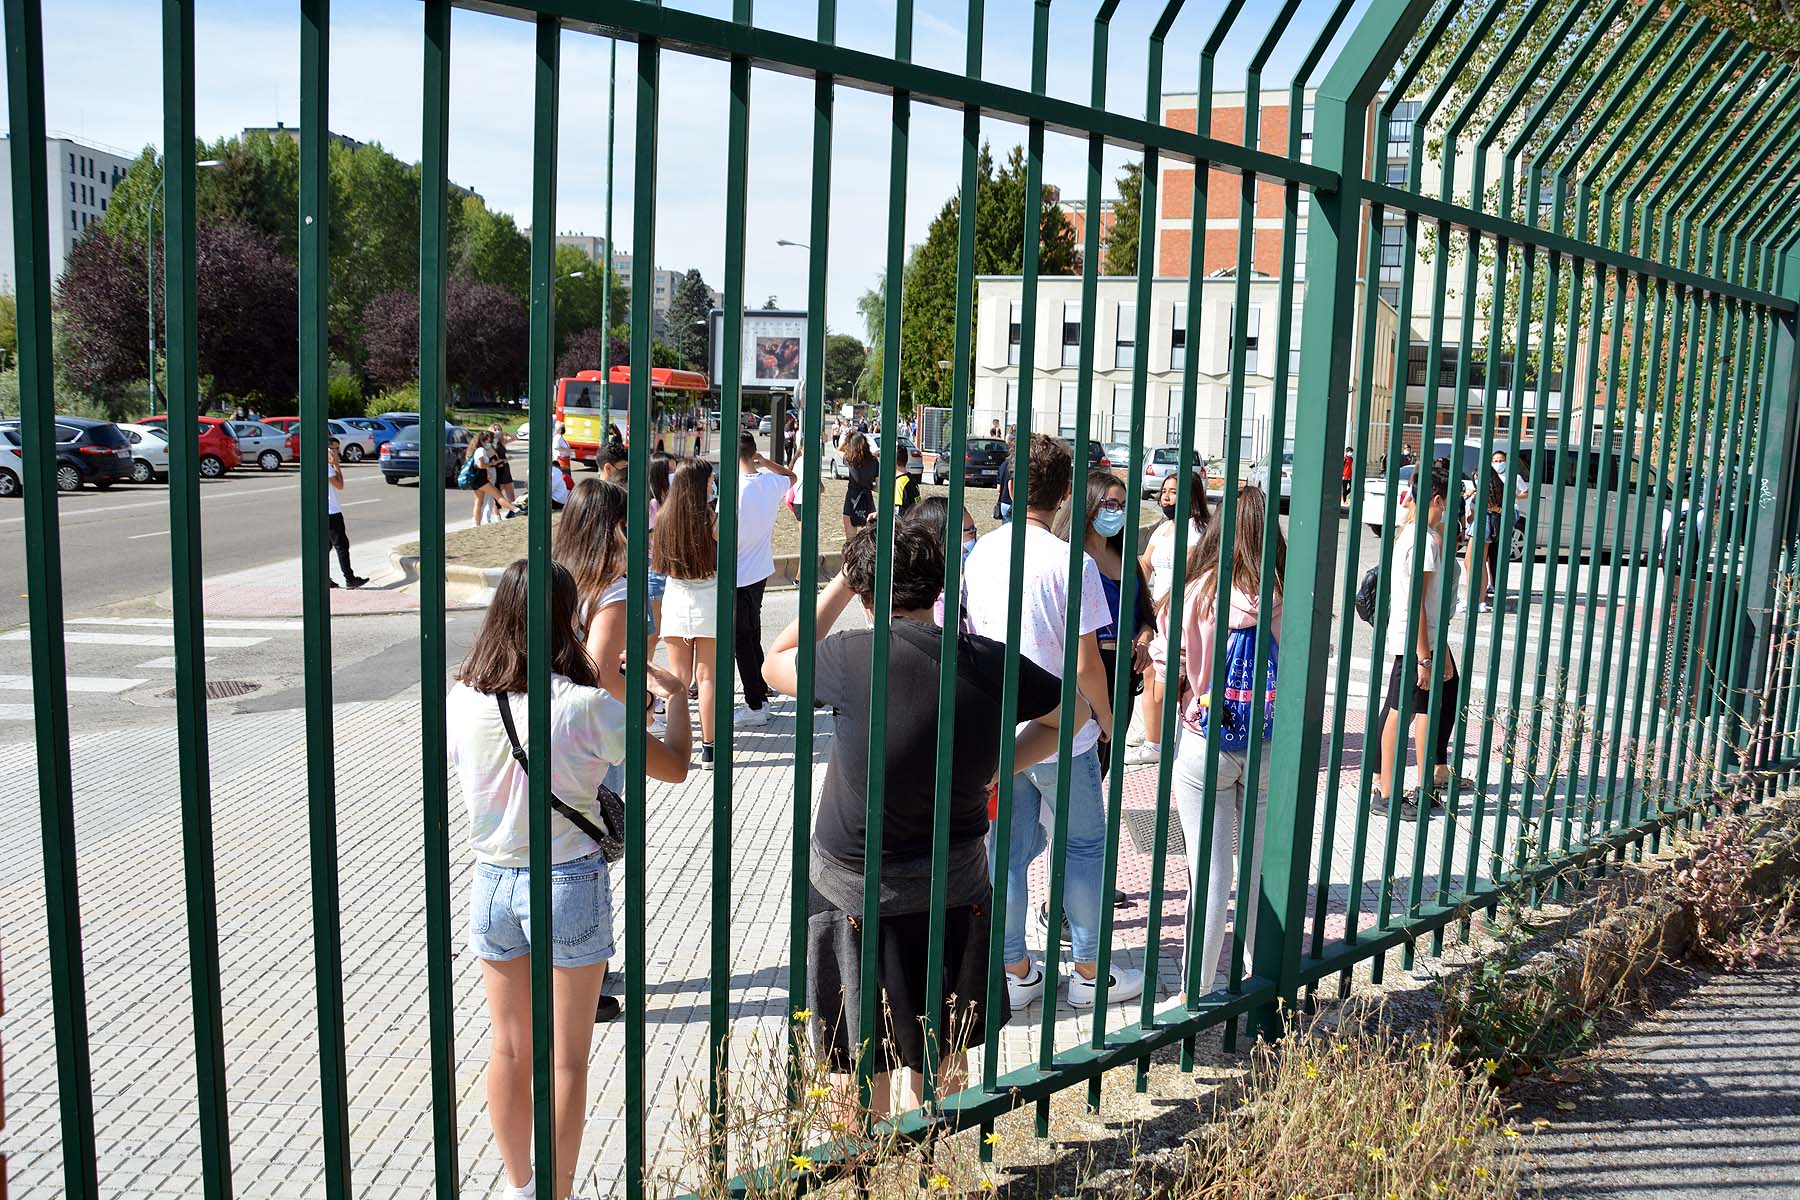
[[1159, 656], [691, 608]]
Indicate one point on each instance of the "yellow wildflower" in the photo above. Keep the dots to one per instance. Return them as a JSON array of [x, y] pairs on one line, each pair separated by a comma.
[[1509, 1132], [803, 1014], [939, 1182], [1377, 1154], [801, 1163], [992, 1139], [1481, 1172], [1489, 1065], [1312, 1071]]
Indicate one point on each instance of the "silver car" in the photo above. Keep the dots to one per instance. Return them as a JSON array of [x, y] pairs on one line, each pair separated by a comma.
[[264, 445], [12, 467], [354, 444], [149, 452]]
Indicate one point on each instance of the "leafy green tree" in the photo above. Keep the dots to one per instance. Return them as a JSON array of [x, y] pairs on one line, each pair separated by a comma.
[[872, 306], [491, 249], [1119, 249], [687, 319], [845, 358]]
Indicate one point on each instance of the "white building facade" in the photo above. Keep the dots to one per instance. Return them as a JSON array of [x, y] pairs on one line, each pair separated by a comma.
[[1177, 343], [82, 179]]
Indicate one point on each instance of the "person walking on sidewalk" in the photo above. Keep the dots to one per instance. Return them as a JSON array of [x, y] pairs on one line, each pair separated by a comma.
[[1238, 724], [488, 724], [336, 536], [1043, 592], [843, 670], [1159, 560], [859, 492], [686, 550], [762, 489]]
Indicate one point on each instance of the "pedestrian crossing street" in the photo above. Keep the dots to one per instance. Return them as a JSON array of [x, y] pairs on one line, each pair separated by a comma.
[[112, 656]]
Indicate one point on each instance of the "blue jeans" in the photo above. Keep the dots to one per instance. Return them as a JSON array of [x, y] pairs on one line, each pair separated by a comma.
[[1034, 801]]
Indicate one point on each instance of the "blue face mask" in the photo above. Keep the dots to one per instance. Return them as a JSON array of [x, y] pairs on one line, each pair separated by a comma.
[[1108, 523], [712, 496], [968, 545]]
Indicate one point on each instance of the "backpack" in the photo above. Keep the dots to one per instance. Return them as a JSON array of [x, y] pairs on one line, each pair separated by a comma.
[[1365, 595], [465, 478], [1237, 716]]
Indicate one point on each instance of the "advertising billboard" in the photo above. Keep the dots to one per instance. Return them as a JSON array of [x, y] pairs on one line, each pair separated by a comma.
[[774, 346]]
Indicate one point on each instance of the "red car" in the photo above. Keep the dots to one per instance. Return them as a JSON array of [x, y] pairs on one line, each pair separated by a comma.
[[291, 426], [218, 449]]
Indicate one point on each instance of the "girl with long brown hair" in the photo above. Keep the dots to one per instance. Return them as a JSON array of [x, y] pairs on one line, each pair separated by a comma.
[[1158, 565], [686, 550], [859, 493], [1240, 721], [482, 479], [588, 737]]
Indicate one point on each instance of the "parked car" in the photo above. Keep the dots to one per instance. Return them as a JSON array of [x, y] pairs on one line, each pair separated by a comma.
[[1098, 460], [87, 452], [380, 429], [1620, 473], [915, 462], [400, 455], [219, 451], [354, 444], [12, 467], [399, 420], [981, 463], [1259, 476], [149, 452], [268, 446]]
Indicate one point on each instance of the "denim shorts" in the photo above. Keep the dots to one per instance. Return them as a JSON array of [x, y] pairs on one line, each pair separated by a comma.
[[580, 912], [657, 583]]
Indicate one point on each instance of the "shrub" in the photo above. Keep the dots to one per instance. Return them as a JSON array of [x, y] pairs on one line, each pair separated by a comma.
[[1734, 923], [401, 399], [345, 397]]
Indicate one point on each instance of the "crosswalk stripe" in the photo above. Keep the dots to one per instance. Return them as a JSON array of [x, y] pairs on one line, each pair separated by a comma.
[[166, 663], [17, 712], [75, 683], [81, 637], [167, 623]]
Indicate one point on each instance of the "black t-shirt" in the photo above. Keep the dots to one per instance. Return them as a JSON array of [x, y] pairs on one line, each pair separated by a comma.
[[842, 680], [859, 492]]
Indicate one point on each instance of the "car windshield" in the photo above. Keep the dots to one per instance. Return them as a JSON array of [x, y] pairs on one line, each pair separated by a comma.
[[988, 444], [106, 435]]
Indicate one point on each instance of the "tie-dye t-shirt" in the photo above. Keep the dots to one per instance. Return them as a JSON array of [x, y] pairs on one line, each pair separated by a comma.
[[587, 735]]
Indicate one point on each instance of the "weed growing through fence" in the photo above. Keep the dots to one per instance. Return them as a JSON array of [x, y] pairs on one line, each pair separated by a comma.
[[1734, 926], [1357, 1112]]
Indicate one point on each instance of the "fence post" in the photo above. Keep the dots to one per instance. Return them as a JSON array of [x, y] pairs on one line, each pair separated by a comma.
[[1334, 224]]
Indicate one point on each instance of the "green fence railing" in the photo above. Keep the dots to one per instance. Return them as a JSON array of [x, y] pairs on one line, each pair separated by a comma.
[[1595, 244]]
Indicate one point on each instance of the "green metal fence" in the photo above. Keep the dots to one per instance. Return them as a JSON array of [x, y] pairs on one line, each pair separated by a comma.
[[1628, 308]]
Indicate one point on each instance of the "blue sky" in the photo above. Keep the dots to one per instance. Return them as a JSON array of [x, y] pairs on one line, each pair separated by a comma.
[[103, 85]]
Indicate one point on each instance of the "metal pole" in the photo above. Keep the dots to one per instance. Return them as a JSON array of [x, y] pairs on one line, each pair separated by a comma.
[[150, 294], [612, 105]]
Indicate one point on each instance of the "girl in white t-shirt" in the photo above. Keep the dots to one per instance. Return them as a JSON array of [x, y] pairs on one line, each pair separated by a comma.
[[587, 737], [482, 479], [1158, 564]]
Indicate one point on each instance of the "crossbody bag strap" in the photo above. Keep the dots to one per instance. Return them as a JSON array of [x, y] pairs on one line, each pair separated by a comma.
[[574, 817]]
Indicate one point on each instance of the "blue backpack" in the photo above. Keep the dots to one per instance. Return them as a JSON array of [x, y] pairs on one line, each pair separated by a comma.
[[1237, 715]]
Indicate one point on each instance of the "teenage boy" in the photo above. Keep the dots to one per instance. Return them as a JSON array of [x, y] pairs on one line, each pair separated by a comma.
[[906, 488], [336, 536], [1042, 590], [762, 487], [612, 462], [1424, 519]]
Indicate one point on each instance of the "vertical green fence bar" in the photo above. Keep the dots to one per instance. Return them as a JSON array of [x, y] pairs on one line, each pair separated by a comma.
[[434, 795], [187, 598], [321, 781], [637, 601], [606, 270], [812, 429], [882, 614], [546, 68], [43, 586], [1770, 606], [960, 369], [731, 334]]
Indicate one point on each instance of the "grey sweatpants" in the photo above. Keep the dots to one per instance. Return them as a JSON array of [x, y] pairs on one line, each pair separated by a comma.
[[1228, 801]]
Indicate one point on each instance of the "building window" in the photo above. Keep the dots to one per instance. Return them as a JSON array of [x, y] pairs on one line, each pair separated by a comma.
[[1300, 254], [1065, 411], [1294, 346], [1391, 296], [102, 204], [1306, 125], [1122, 414], [1172, 428], [1012, 404], [74, 219], [73, 194], [1416, 359], [1178, 339], [1400, 128], [1396, 174], [1252, 339], [1393, 246], [71, 164], [1012, 335], [1071, 334], [1125, 336]]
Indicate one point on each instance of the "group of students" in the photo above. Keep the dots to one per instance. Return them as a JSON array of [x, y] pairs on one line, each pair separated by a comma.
[[588, 707]]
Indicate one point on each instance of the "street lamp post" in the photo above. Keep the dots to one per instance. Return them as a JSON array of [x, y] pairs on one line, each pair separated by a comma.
[[612, 104], [150, 277]]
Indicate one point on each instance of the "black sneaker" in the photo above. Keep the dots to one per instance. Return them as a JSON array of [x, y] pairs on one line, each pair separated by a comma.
[[608, 1009], [1043, 921], [330, 581], [356, 581], [706, 756]]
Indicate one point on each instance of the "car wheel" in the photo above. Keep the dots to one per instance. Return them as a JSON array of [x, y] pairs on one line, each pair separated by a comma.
[[142, 471], [1517, 552], [269, 460], [211, 467], [68, 479], [353, 452], [394, 479], [9, 485]]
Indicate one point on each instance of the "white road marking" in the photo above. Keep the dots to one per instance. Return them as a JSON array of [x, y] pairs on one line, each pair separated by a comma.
[[105, 684], [150, 640], [354, 503], [17, 712], [161, 664], [166, 623], [138, 537]]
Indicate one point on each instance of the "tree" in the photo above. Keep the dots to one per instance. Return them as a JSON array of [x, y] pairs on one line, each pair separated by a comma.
[[102, 297], [583, 351], [928, 295], [872, 305], [1120, 246], [486, 332], [688, 310], [845, 358], [492, 250], [9, 327]]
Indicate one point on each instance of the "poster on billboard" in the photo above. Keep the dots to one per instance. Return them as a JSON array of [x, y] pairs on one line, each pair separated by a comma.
[[774, 346]]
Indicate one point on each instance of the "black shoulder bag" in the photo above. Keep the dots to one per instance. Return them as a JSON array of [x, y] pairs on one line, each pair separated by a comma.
[[609, 831]]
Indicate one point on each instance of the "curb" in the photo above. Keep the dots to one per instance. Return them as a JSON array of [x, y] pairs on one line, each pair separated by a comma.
[[484, 579]]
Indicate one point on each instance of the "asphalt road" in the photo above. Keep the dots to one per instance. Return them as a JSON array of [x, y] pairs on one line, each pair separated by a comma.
[[115, 544]]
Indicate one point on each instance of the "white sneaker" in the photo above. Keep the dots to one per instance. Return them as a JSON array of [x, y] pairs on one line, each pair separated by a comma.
[[659, 725], [528, 1192], [1024, 992], [1143, 754], [743, 714], [1125, 984]]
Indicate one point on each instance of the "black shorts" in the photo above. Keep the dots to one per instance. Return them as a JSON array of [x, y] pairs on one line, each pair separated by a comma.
[[1421, 706]]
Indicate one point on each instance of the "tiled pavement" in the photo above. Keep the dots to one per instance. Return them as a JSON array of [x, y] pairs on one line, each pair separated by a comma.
[[135, 947]]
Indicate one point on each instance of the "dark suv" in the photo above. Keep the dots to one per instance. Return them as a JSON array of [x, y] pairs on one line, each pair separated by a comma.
[[400, 455], [87, 451], [981, 463]]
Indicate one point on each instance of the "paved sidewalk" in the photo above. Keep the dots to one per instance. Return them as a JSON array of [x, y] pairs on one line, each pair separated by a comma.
[[1700, 1101]]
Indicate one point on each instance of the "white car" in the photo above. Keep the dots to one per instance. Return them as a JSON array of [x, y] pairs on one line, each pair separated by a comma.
[[1259, 477], [354, 444], [264, 445], [12, 467], [149, 452]]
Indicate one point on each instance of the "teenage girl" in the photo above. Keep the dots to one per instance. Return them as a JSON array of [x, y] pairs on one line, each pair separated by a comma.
[[686, 550]]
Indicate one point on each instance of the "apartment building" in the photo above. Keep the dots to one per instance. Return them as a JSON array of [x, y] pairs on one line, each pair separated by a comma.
[[82, 177]]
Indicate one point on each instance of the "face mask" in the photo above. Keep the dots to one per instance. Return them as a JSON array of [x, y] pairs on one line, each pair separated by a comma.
[[1108, 524], [1168, 510], [968, 545], [712, 496]]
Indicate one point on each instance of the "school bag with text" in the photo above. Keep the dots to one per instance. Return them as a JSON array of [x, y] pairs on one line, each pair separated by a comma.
[[1237, 717]]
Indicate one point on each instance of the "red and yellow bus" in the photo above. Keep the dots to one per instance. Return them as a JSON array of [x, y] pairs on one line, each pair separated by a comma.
[[583, 407]]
